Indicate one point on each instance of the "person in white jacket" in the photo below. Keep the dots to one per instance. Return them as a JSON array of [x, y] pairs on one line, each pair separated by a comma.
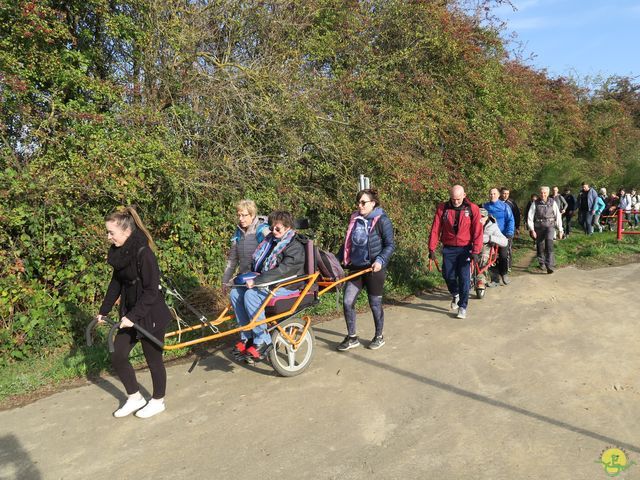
[[543, 218], [625, 204], [635, 205], [491, 236]]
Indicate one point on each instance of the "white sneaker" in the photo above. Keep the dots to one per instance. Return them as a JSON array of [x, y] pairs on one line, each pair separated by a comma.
[[454, 302], [154, 407], [462, 313], [132, 404]]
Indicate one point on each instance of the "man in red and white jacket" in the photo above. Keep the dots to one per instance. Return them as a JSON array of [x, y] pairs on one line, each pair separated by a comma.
[[457, 225]]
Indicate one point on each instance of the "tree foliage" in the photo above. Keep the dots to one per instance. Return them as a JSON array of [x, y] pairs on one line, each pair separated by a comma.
[[184, 107]]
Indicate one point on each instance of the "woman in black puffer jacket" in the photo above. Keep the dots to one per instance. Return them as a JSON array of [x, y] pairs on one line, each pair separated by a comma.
[[369, 243], [136, 281]]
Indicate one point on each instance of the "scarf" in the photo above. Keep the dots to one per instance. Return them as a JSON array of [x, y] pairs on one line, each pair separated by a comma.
[[265, 257], [121, 257], [373, 217]]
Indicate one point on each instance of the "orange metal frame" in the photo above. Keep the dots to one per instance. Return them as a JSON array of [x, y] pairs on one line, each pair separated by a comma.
[[493, 256], [224, 316]]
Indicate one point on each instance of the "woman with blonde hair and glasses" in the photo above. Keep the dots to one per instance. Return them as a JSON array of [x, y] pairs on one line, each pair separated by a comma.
[[136, 282], [250, 232]]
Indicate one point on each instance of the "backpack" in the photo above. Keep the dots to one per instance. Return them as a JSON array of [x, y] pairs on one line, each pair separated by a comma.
[[329, 265]]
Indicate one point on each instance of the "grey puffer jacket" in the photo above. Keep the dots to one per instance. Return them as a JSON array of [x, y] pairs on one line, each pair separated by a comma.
[[492, 234], [243, 244]]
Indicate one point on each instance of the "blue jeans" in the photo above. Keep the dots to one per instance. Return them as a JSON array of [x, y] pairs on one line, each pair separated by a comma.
[[456, 271], [246, 302], [586, 220]]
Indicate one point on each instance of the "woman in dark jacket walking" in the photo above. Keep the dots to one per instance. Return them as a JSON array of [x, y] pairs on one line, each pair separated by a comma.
[[368, 243], [136, 281]]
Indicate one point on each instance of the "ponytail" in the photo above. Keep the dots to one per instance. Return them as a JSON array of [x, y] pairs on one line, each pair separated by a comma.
[[128, 218]]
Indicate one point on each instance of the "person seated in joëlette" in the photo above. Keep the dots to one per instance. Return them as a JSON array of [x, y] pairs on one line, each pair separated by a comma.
[[280, 255]]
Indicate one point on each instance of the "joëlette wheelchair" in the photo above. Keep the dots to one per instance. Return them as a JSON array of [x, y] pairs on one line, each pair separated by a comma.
[[476, 270], [291, 332]]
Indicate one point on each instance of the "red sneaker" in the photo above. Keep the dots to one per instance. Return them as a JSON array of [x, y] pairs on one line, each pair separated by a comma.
[[255, 353], [240, 349]]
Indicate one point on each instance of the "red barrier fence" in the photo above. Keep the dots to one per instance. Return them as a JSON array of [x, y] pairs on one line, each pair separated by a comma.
[[621, 221]]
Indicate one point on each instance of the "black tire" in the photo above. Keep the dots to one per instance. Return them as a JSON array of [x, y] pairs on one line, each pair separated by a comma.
[[480, 293], [285, 360]]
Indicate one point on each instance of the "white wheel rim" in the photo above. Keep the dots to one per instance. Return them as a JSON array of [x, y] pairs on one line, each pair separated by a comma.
[[289, 358]]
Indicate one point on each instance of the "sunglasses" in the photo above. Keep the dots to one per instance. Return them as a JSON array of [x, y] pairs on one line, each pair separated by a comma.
[[364, 202], [278, 229]]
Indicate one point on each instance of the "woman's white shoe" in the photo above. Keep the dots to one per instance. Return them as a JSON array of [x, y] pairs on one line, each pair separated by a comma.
[[154, 407], [131, 405]]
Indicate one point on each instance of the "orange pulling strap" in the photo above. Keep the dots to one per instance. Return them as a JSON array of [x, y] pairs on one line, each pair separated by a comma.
[[433, 261]]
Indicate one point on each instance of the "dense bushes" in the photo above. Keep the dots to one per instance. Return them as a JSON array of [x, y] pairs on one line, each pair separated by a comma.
[[184, 107]]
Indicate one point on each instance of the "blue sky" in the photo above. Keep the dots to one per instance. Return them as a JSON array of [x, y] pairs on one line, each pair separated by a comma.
[[577, 37]]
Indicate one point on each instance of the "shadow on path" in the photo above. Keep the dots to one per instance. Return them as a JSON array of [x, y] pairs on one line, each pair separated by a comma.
[[477, 397], [436, 295], [15, 462]]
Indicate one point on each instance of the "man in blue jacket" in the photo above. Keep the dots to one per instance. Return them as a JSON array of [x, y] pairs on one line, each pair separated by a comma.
[[587, 199], [504, 218]]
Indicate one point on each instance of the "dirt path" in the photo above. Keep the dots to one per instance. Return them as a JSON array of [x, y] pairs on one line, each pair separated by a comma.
[[536, 383]]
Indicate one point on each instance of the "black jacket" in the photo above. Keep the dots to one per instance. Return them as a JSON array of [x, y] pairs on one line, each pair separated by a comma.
[[291, 262], [141, 299]]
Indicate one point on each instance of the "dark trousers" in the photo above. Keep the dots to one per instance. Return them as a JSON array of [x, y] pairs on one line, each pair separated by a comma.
[[456, 271], [124, 342], [567, 222], [503, 259], [544, 246], [374, 283]]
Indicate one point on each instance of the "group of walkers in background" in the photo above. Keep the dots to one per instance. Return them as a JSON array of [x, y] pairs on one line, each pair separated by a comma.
[[467, 231], [265, 251], [598, 211]]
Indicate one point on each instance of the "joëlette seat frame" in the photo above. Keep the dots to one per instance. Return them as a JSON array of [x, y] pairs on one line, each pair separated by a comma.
[[314, 287]]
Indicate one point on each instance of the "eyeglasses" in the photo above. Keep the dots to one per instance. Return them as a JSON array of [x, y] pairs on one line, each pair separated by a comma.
[[364, 202]]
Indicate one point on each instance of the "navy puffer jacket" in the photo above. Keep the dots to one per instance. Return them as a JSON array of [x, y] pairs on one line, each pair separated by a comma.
[[381, 242]]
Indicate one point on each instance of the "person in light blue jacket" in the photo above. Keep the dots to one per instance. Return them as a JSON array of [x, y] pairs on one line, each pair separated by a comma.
[[503, 216], [600, 206]]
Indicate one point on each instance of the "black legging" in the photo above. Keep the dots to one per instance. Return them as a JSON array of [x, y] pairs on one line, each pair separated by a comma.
[[124, 342], [374, 283]]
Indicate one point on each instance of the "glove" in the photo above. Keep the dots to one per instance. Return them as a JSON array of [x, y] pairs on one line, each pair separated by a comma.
[[476, 258], [432, 255]]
